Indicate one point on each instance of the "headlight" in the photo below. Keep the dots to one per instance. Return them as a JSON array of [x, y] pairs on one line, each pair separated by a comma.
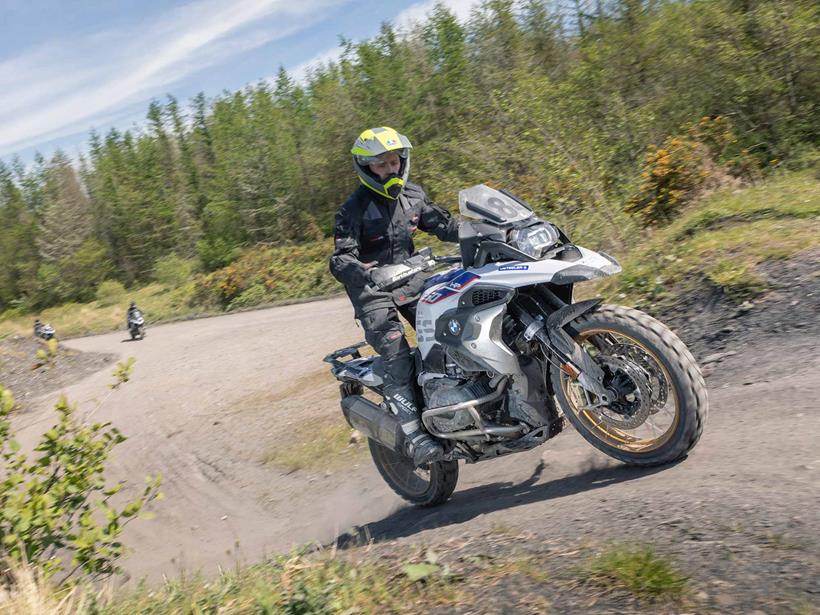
[[534, 240]]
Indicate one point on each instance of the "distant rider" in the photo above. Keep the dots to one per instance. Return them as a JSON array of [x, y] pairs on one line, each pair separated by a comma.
[[375, 227], [131, 309], [38, 327]]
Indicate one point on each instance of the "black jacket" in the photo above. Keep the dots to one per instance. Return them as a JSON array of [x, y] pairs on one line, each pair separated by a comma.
[[371, 228]]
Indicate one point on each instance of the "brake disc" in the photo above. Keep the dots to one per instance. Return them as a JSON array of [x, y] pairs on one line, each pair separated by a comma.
[[632, 409], [653, 375]]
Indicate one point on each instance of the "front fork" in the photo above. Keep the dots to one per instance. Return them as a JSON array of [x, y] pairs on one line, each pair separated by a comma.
[[570, 357]]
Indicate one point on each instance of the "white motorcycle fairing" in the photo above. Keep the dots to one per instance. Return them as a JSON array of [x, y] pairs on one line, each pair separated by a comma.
[[469, 307]]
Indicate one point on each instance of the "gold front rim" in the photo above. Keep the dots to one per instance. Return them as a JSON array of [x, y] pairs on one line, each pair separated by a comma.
[[660, 424]]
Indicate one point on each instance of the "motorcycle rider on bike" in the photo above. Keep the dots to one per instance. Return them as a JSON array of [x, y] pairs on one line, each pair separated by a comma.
[[375, 227], [131, 309]]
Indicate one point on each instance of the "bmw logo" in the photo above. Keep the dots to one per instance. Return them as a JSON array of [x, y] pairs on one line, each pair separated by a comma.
[[454, 326]]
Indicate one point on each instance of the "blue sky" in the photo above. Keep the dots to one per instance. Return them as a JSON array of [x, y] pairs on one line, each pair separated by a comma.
[[67, 66]]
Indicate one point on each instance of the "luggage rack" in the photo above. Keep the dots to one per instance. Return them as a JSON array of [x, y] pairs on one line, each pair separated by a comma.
[[356, 366]]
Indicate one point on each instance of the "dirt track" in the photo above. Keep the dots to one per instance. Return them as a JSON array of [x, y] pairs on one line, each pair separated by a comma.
[[209, 398]]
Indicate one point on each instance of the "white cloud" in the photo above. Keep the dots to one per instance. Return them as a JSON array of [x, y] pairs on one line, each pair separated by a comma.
[[66, 87]]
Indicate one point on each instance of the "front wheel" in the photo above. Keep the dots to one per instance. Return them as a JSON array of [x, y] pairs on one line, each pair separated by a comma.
[[660, 400], [424, 486]]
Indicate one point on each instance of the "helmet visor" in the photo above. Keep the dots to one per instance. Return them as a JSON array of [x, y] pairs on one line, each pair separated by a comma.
[[402, 152]]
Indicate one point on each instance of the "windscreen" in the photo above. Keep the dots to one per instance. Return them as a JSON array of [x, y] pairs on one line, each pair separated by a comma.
[[485, 203]]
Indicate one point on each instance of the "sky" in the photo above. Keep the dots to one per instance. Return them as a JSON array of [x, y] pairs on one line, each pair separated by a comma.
[[70, 66]]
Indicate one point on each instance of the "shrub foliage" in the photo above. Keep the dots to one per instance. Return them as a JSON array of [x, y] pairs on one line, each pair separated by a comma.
[[56, 508]]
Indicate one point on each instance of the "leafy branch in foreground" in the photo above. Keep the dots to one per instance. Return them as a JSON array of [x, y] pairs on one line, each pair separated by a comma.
[[56, 510], [122, 372]]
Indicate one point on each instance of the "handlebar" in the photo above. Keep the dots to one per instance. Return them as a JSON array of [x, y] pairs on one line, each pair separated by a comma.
[[447, 259], [394, 275]]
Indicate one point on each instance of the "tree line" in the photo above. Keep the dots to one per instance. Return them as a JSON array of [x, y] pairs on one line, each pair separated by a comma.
[[557, 101]]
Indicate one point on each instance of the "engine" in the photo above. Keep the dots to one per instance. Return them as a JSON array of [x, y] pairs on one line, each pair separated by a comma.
[[448, 391]]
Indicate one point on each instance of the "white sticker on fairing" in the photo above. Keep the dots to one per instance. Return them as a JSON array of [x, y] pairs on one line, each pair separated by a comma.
[[513, 267]]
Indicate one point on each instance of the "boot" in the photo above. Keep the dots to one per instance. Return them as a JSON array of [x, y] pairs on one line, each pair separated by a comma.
[[418, 445]]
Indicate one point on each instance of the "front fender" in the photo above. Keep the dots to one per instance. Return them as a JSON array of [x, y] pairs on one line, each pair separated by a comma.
[[560, 318]]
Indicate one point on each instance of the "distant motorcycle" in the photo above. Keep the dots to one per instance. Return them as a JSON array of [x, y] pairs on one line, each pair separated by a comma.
[[136, 325], [44, 331]]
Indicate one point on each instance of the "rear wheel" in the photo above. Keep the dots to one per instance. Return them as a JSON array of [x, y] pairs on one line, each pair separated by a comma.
[[427, 485], [660, 400]]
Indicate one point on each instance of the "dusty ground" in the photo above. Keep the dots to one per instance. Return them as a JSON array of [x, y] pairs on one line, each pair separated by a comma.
[[27, 375], [210, 399]]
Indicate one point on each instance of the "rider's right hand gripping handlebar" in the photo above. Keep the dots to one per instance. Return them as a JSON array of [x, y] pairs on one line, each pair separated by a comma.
[[389, 277]]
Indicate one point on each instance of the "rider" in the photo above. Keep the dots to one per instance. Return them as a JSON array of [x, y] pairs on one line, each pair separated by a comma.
[[375, 227], [131, 309], [38, 326]]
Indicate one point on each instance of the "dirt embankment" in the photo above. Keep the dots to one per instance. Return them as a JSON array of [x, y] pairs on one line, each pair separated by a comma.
[[212, 399]]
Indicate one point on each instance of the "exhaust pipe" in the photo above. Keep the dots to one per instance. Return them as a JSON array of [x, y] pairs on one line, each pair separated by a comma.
[[365, 416]]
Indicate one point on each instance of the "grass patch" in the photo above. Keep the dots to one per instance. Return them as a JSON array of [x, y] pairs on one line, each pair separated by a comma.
[[638, 570], [297, 584], [805, 608], [387, 579], [318, 446], [737, 279], [320, 443], [788, 196], [722, 241]]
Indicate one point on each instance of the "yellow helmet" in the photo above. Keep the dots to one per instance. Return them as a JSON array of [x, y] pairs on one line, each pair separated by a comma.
[[371, 144]]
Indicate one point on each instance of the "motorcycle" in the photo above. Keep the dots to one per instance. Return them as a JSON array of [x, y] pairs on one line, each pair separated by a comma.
[[136, 325], [44, 331], [504, 355]]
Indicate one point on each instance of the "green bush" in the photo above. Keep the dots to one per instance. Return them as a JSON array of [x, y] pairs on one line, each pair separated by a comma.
[[671, 175], [57, 503], [284, 273], [677, 171], [173, 271], [110, 292]]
